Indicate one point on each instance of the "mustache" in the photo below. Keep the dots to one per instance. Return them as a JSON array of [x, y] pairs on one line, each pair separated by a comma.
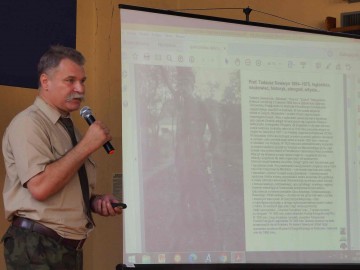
[[75, 96]]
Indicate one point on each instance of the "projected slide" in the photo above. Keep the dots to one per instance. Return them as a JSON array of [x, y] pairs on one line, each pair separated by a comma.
[[240, 142]]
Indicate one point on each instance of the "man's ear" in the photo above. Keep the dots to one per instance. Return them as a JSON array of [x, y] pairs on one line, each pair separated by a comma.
[[44, 81]]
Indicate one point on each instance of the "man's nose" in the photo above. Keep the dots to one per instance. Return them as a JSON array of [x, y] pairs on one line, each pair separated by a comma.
[[79, 87]]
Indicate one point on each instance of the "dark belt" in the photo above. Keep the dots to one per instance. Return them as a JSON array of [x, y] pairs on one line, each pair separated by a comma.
[[33, 226]]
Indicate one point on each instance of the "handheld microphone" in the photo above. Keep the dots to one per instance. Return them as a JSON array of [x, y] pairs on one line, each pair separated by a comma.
[[86, 113]]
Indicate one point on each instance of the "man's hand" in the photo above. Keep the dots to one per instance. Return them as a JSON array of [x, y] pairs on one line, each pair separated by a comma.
[[95, 137], [101, 204]]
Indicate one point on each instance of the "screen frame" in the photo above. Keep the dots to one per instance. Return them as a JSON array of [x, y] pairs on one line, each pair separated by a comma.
[[330, 266], [234, 21], [243, 266]]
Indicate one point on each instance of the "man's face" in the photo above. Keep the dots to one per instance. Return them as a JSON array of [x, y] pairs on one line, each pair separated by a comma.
[[63, 87]]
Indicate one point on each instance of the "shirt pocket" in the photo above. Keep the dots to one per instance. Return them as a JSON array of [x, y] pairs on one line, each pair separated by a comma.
[[60, 148]]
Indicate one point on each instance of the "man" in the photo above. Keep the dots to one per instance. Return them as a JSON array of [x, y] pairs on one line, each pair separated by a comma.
[[43, 193]]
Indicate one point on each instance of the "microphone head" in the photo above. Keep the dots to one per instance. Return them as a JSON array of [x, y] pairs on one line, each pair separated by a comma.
[[85, 112]]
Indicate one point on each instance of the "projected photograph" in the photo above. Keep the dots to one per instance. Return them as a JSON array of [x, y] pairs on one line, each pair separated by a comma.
[[190, 131]]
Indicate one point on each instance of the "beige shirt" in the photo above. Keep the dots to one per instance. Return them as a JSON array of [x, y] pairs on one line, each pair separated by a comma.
[[33, 139]]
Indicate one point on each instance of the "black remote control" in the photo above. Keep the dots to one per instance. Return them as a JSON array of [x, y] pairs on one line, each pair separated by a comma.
[[121, 205]]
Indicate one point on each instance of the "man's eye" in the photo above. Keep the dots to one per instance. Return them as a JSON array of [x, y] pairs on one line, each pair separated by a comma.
[[70, 80]]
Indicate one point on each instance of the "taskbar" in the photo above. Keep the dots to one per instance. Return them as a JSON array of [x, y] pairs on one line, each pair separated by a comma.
[[185, 257], [238, 257]]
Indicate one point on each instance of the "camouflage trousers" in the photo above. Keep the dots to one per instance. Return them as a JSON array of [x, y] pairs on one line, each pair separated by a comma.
[[27, 250]]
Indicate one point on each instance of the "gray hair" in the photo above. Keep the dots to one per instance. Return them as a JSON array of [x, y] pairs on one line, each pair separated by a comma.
[[52, 58]]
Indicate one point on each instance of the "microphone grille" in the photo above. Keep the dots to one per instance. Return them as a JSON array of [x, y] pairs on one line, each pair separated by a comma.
[[85, 112]]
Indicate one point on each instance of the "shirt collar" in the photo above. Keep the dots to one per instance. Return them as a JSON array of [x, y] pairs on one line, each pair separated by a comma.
[[48, 110]]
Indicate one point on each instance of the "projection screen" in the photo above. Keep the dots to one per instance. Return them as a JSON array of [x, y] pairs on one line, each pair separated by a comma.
[[241, 141]]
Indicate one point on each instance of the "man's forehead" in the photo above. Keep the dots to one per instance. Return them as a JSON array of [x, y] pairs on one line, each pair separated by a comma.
[[69, 68]]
